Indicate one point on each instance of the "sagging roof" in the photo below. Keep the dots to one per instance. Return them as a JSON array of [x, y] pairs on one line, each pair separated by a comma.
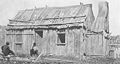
[[49, 12], [52, 15]]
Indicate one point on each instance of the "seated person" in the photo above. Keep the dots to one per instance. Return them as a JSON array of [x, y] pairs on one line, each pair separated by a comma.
[[6, 50], [34, 50]]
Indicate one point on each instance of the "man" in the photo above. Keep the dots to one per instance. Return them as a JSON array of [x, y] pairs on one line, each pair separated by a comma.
[[6, 49]]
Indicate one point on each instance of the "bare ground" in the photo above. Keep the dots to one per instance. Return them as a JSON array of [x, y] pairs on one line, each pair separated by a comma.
[[61, 60]]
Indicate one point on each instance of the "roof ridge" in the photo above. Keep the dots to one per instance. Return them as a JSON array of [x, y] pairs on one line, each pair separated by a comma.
[[69, 6]]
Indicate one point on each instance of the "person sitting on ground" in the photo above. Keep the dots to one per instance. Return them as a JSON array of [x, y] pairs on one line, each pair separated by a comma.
[[34, 50], [84, 54], [6, 50]]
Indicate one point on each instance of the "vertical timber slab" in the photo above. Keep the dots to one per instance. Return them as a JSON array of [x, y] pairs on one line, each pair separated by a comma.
[[70, 43], [25, 40], [77, 42], [48, 42]]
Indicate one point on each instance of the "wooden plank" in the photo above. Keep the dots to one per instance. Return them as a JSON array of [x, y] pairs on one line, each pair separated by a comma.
[[114, 44], [77, 42], [43, 25], [70, 43], [48, 42], [19, 34], [65, 17]]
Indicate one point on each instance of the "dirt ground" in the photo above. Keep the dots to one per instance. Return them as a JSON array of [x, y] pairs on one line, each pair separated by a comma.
[[64, 61]]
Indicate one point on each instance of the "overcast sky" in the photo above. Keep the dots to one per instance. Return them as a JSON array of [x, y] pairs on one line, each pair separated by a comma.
[[9, 8]]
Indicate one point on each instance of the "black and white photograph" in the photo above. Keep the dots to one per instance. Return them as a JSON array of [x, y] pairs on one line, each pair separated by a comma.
[[59, 32]]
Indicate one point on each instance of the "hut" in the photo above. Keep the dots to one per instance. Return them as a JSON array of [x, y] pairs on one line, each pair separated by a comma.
[[60, 31]]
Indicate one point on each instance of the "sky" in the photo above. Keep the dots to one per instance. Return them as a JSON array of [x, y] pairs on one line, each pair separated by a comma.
[[9, 8]]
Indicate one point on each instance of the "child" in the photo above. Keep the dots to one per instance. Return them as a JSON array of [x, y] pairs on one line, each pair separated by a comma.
[[34, 51]]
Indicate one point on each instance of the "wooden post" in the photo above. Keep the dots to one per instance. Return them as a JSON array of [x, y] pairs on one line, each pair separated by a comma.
[[5, 36], [35, 36]]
